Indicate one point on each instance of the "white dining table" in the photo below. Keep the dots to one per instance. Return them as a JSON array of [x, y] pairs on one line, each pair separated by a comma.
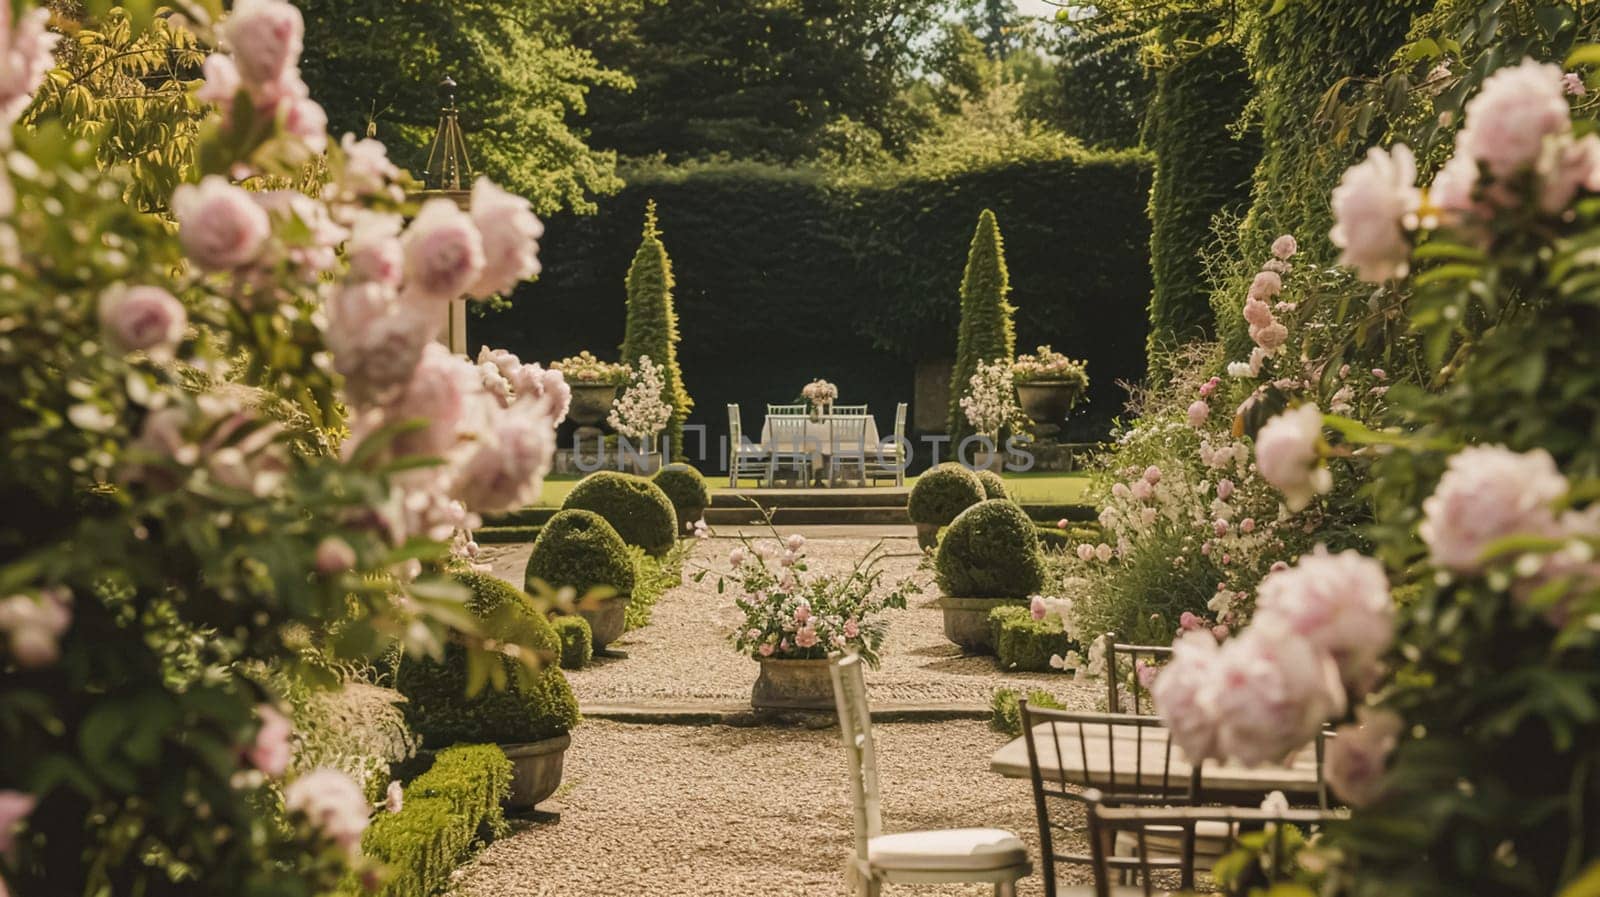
[[1100, 760], [818, 439]]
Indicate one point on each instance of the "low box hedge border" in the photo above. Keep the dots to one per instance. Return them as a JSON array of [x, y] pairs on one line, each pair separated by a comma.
[[1023, 644]]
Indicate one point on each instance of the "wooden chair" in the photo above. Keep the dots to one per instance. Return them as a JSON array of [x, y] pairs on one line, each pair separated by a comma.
[[889, 460], [1135, 782], [983, 855], [788, 410], [1154, 655], [1146, 825], [788, 448], [745, 459], [847, 445]]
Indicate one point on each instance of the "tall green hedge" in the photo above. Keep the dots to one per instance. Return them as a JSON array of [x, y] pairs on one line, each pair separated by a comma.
[[784, 275], [987, 332], [652, 324], [1202, 168]]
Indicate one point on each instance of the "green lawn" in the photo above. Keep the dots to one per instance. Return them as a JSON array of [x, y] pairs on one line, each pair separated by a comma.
[[1030, 488]]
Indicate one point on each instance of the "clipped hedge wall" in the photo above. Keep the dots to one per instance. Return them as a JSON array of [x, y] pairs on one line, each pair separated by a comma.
[[783, 275], [446, 810], [1023, 644]]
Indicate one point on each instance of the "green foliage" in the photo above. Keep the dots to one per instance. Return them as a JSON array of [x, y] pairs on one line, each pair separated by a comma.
[[358, 729], [687, 490], [580, 550], [577, 641], [993, 485], [824, 244], [376, 64], [652, 577], [1100, 91], [635, 507], [528, 708], [446, 811], [1024, 644], [652, 325], [1203, 168], [987, 332], [944, 492], [1006, 715], [991, 550]]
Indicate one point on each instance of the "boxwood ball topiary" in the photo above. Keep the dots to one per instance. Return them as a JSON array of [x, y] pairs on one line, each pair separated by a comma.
[[577, 641], [993, 486], [942, 493], [639, 511], [687, 491], [437, 706], [990, 551], [581, 550]]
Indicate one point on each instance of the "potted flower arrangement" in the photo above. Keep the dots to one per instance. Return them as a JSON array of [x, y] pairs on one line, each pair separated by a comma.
[[821, 394], [791, 620], [641, 414], [594, 385], [1048, 384], [990, 406]]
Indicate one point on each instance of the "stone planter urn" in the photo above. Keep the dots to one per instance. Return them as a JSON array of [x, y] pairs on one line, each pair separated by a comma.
[[793, 685], [966, 621], [591, 402], [535, 770], [607, 620], [644, 463], [1048, 403], [992, 461]]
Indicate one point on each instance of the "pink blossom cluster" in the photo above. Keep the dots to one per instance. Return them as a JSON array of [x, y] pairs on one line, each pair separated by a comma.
[[264, 39], [1288, 454], [332, 803], [33, 625], [217, 440], [27, 52], [789, 613]]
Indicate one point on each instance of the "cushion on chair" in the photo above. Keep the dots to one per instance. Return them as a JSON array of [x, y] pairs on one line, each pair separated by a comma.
[[958, 848]]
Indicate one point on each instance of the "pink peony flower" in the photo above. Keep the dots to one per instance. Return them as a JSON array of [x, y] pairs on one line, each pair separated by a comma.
[[802, 614], [221, 83], [27, 52], [1063, 523], [394, 799], [1257, 313], [1220, 527], [1152, 474], [1274, 691], [737, 556], [334, 556], [436, 394], [1286, 454], [795, 542], [1188, 621], [1371, 208], [1285, 247], [367, 169], [265, 37], [1338, 602], [511, 235], [1085, 551], [220, 226], [765, 649], [852, 629], [1564, 165], [1185, 695], [1266, 285], [1508, 121], [1198, 412], [376, 342], [332, 803], [1271, 337], [35, 624], [1104, 552], [1224, 489], [1488, 493], [142, 318], [1036, 608], [1247, 525], [507, 467], [272, 748], [1572, 84], [806, 637], [374, 249], [1142, 490], [14, 808], [444, 253], [305, 118], [1121, 492], [1358, 753]]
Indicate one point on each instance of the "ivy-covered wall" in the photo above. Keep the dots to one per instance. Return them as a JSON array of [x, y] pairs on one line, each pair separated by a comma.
[[783, 275]]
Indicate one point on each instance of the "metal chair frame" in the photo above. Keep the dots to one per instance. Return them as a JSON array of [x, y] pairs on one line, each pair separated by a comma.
[[1113, 675]]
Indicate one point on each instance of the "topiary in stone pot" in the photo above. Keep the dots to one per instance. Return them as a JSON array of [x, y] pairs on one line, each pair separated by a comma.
[[580, 550], [993, 485], [940, 495], [988, 557], [530, 722], [687, 491], [635, 507]]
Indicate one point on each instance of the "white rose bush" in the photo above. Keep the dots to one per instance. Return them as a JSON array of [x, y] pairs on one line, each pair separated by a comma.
[[236, 444], [1455, 657]]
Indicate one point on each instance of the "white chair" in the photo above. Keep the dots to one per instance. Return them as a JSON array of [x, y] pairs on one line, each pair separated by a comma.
[[889, 460], [787, 447], [849, 411], [745, 459], [788, 410], [847, 446], [984, 855]]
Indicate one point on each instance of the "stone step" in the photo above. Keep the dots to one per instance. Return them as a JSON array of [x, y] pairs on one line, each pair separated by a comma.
[[812, 516], [811, 498]]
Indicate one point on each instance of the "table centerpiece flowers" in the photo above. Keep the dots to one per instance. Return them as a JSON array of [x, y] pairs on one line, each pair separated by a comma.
[[821, 394]]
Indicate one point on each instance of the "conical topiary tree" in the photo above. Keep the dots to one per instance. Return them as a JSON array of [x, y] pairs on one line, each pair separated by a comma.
[[986, 332], [652, 326]]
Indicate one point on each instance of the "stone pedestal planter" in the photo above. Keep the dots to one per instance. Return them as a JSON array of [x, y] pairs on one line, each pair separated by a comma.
[[993, 461], [1047, 403], [535, 770], [644, 463], [606, 619], [966, 621], [793, 685], [591, 402]]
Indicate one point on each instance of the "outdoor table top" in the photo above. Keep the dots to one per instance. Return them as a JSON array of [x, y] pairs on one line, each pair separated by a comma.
[[818, 437], [1101, 748]]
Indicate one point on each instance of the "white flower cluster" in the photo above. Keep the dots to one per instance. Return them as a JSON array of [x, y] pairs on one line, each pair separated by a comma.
[[640, 412], [991, 399]]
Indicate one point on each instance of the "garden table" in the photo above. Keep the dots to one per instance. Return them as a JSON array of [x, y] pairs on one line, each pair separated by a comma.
[[1225, 781], [819, 440]]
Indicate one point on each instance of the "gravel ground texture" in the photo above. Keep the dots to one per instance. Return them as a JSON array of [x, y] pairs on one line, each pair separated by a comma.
[[683, 657], [708, 811]]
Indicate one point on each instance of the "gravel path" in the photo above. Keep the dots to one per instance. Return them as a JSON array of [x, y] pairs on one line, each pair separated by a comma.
[[710, 811], [683, 656]]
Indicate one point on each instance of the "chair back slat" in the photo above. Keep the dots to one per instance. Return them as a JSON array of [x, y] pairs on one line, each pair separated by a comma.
[[1130, 657], [848, 434], [849, 411], [855, 724], [787, 410], [900, 421], [788, 433]]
